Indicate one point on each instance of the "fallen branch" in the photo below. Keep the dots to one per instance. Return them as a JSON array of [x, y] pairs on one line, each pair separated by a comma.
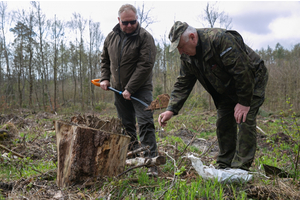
[[134, 152], [143, 162], [261, 130], [158, 160], [137, 166], [13, 152]]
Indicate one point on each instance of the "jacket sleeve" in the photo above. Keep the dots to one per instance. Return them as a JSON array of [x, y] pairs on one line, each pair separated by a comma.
[[145, 64], [236, 61], [105, 62], [182, 88]]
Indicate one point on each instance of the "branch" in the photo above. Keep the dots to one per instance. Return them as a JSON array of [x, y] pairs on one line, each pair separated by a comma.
[[147, 162], [158, 160], [174, 177], [134, 152], [14, 153]]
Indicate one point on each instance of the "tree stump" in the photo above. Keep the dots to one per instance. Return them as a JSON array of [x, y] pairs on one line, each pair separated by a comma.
[[84, 153]]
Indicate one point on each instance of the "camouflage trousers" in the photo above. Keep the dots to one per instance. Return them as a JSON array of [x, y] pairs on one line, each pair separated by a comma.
[[237, 142]]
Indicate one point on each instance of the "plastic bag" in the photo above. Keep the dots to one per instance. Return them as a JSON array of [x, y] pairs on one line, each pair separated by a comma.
[[222, 175]]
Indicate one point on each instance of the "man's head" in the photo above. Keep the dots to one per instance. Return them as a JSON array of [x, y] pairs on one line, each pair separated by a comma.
[[184, 38], [128, 18]]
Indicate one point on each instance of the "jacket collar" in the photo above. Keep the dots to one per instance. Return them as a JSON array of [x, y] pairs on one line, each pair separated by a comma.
[[204, 41]]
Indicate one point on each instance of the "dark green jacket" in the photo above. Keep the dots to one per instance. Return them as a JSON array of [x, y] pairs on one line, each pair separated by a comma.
[[127, 60], [224, 65]]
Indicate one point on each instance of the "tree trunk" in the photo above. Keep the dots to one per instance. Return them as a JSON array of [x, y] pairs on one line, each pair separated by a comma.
[[84, 153]]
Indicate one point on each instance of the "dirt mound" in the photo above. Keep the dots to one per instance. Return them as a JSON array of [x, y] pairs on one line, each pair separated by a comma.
[[161, 101], [282, 138]]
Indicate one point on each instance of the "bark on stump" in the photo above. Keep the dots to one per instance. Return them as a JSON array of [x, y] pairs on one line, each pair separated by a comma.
[[84, 153]]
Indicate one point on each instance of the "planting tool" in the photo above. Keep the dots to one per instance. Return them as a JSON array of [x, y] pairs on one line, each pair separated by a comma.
[[96, 82], [160, 102]]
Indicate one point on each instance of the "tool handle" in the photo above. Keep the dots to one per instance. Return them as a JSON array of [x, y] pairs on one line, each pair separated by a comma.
[[113, 89], [139, 101], [117, 91]]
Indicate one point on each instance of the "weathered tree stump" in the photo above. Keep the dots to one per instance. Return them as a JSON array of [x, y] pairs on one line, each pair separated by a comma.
[[84, 153]]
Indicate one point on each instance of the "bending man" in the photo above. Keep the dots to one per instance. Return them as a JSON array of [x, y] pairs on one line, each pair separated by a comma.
[[233, 74]]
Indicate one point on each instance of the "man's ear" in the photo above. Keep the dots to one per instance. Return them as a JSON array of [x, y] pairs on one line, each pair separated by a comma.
[[193, 37]]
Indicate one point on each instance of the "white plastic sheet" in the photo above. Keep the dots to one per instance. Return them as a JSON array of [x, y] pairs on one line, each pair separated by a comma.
[[222, 175]]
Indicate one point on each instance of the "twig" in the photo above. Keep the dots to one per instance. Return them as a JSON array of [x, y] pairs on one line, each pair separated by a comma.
[[138, 150], [37, 171], [13, 152], [147, 162], [208, 148], [192, 140], [174, 177], [261, 130], [186, 148]]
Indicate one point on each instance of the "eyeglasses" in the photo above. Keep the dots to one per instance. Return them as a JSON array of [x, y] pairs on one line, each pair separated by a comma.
[[125, 23]]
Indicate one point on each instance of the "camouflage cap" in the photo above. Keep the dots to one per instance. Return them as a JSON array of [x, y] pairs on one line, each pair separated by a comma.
[[175, 33]]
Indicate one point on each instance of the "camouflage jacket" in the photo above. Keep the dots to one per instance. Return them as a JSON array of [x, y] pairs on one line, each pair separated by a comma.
[[224, 65], [127, 60]]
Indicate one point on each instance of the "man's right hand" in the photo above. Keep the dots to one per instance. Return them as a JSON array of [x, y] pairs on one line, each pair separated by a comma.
[[164, 117], [104, 84]]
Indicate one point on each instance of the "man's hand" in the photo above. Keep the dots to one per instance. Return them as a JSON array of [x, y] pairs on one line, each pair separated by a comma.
[[164, 117], [126, 95], [240, 112], [104, 84]]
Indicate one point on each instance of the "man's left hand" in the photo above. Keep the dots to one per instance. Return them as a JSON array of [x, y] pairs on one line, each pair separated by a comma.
[[126, 95], [240, 112]]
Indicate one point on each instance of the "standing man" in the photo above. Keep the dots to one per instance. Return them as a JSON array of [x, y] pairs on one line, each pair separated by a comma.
[[233, 74], [126, 62]]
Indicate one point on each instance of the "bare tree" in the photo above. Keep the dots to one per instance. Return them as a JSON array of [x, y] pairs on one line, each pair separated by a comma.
[[96, 39], [212, 15], [63, 68], [78, 22], [4, 18], [42, 69], [57, 33], [31, 41], [144, 17]]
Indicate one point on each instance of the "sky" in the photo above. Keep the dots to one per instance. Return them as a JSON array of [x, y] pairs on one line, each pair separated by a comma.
[[261, 23]]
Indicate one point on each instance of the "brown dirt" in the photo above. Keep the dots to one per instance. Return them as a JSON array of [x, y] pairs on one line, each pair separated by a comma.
[[160, 102]]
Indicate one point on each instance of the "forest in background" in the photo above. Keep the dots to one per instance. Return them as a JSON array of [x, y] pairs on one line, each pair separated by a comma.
[[50, 63]]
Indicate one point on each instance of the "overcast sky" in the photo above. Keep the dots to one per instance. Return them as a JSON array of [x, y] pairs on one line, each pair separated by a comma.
[[261, 23]]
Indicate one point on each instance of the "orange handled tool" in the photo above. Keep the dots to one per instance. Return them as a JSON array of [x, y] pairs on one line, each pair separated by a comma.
[[97, 83]]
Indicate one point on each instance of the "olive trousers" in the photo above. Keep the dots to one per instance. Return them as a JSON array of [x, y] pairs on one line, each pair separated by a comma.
[[237, 142]]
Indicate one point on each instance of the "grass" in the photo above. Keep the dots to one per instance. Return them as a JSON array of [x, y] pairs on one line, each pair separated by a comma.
[[178, 179]]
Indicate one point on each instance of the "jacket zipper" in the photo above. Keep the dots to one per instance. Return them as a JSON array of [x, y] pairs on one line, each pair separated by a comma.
[[119, 64]]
